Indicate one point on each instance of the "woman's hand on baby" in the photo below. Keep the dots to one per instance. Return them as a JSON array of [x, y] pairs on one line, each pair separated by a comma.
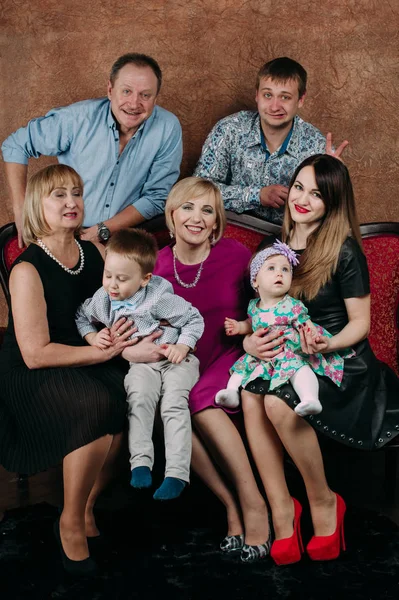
[[118, 345], [263, 345], [175, 353], [311, 341], [123, 328], [145, 351], [231, 326]]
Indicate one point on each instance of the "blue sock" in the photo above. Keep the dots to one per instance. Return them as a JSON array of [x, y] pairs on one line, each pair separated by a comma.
[[170, 489], [141, 478]]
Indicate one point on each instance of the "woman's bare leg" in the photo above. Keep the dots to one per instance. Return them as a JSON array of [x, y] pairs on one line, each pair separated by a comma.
[[300, 441], [104, 477], [268, 454], [225, 444], [80, 471], [204, 467]]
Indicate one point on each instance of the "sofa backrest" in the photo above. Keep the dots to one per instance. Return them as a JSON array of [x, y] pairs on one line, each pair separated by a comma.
[[381, 247]]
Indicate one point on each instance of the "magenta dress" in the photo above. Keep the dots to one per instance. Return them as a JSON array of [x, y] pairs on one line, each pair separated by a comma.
[[220, 292]]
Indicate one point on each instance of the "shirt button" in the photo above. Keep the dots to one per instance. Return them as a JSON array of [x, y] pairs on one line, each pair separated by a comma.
[[117, 162], [112, 184], [107, 206]]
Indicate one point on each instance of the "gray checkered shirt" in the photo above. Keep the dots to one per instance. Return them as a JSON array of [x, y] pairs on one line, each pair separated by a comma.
[[146, 308]]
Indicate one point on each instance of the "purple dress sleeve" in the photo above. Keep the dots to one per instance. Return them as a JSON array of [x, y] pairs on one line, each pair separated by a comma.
[[220, 292]]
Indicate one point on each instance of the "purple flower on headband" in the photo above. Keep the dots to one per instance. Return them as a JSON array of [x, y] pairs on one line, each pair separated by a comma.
[[277, 248]]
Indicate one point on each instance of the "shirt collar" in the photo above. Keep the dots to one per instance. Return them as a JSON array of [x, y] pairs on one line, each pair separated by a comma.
[[290, 144]]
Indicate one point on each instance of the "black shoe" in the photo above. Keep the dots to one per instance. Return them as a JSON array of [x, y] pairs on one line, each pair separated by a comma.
[[86, 567]]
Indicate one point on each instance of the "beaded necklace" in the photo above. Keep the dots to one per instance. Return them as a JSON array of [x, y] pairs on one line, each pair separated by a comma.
[[197, 277], [70, 271]]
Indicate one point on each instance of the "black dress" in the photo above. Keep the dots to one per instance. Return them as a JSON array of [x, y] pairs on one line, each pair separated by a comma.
[[364, 411], [47, 413]]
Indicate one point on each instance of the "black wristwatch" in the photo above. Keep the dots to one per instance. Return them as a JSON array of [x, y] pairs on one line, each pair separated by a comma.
[[103, 232]]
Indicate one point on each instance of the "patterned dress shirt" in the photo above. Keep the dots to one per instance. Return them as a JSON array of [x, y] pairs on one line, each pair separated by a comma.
[[85, 136], [233, 157], [147, 307]]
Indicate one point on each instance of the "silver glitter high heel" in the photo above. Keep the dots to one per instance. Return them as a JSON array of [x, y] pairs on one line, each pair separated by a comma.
[[232, 543]]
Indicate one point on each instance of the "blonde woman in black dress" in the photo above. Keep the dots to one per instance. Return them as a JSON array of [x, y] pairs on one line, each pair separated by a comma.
[[58, 403]]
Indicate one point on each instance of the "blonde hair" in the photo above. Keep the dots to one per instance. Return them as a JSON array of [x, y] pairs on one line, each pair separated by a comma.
[[40, 185], [137, 245], [188, 189], [323, 246]]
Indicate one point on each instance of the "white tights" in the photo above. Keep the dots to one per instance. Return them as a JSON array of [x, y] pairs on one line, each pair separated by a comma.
[[305, 383]]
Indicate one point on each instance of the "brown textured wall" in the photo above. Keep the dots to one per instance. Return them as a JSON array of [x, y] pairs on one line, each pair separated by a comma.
[[54, 52]]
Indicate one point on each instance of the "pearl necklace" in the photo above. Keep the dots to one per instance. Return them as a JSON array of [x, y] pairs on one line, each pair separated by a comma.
[[197, 277], [82, 258]]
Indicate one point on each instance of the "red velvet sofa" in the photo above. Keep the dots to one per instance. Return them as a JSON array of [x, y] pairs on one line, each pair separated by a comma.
[[381, 246]]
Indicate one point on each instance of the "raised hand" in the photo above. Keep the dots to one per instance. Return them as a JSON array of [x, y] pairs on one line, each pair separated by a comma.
[[231, 326], [338, 151]]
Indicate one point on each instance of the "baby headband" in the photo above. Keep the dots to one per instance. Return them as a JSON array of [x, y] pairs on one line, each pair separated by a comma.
[[277, 248]]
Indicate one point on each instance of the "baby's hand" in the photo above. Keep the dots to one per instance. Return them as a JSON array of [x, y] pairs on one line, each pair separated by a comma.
[[311, 341], [231, 326], [102, 339], [175, 353]]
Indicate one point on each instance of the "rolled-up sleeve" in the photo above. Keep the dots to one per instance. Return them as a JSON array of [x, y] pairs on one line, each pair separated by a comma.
[[48, 135]]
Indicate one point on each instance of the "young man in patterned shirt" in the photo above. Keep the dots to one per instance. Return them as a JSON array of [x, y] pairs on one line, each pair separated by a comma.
[[251, 155]]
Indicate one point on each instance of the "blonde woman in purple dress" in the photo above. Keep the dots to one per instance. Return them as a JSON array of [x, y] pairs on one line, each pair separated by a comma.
[[210, 272]]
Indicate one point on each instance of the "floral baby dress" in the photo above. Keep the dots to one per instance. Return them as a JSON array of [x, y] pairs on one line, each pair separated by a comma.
[[286, 315]]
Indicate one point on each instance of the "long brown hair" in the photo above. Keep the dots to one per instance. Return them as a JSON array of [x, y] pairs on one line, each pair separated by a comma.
[[320, 258]]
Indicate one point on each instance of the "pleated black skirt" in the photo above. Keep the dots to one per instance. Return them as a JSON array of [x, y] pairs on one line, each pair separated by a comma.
[[47, 413]]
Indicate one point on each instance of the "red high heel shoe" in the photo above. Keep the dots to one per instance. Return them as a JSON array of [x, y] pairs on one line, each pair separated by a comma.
[[328, 547], [289, 550]]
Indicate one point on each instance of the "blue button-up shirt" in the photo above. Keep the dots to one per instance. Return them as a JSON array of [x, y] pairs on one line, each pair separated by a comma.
[[234, 158], [84, 136]]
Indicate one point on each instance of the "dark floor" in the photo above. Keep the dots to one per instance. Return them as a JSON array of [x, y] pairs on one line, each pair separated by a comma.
[[156, 550]]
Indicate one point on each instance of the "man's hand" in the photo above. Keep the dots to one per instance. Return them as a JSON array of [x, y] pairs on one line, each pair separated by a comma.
[[273, 196], [231, 326], [101, 339], [263, 345], [329, 147], [90, 234], [175, 353]]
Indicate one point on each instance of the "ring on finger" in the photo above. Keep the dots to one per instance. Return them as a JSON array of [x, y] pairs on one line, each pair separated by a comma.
[[118, 335]]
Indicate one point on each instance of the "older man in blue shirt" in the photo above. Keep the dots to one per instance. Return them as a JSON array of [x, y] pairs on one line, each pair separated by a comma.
[[126, 149], [251, 156]]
